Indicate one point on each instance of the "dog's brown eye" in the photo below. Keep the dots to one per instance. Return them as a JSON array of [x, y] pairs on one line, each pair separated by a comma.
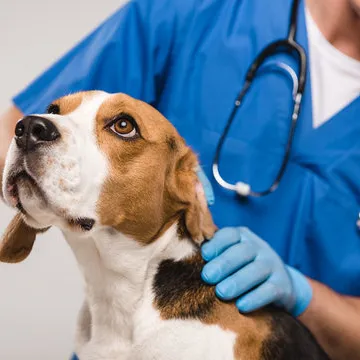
[[124, 126]]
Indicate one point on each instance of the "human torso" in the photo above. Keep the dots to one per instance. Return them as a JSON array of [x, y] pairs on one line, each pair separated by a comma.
[[310, 220]]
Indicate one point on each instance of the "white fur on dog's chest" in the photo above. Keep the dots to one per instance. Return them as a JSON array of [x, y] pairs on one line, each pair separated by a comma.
[[158, 339], [152, 338], [119, 296]]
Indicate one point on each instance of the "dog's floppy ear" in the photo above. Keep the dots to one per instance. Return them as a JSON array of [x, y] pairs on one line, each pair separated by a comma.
[[17, 242], [187, 192], [18, 239]]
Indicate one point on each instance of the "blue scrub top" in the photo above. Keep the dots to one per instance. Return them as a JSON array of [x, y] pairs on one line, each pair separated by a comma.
[[188, 59]]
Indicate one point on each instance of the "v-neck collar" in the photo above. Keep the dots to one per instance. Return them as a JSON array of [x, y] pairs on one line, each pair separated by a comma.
[[306, 135]]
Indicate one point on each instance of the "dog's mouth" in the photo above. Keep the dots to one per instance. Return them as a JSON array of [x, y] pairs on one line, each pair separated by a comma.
[[12, 188], [20, 179]]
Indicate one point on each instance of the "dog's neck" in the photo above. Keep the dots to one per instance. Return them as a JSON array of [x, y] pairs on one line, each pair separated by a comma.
[[116, 269]]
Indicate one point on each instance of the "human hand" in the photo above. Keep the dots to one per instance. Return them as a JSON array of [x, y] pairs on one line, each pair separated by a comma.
[[244, 267]]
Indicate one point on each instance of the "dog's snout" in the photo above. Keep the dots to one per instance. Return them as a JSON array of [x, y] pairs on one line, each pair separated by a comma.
[[32, 131]]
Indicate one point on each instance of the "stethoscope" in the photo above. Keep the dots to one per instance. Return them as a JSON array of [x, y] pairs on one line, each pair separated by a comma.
[[290, 46]]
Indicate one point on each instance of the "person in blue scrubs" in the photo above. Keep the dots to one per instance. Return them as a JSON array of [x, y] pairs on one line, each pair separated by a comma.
[[298, 247]]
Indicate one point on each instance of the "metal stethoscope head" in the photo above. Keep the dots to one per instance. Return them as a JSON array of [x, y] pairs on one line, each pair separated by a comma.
[[290, 46]]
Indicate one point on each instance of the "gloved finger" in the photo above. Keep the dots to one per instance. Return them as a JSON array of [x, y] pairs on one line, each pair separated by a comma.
[[222, 240], [247, 235], [261, 296], [231, 260], [243, 280]]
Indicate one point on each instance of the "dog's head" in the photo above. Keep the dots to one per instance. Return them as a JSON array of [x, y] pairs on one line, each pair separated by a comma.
[[96, 160]]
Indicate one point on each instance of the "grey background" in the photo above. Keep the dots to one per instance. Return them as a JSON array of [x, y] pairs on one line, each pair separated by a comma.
[[40, 298]]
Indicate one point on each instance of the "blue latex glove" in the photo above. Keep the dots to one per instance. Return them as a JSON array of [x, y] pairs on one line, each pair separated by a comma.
[[246, 268]]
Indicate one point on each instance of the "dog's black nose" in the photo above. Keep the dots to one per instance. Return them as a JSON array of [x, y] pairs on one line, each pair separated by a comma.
[[32, 131]]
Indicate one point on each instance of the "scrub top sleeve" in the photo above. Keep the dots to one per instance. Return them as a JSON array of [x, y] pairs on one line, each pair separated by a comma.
[[129, 52]]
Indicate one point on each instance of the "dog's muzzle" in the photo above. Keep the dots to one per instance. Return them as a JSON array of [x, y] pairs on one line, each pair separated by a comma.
[[33, 131]]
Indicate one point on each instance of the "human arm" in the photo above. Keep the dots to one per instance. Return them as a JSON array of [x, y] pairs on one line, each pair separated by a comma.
[[334, 320]]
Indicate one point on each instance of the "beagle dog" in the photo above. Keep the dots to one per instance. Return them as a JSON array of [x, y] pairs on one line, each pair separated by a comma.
[[115, 176]]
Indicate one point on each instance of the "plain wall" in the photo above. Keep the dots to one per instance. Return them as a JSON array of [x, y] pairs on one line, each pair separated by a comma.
[[40, 298]]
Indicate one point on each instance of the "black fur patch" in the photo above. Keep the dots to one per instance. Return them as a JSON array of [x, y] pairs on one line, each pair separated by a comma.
[[290, 340], [180, 292]]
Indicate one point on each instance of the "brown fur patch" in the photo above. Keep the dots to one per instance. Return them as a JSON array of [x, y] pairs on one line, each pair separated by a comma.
[[150, 185], [252, 330]]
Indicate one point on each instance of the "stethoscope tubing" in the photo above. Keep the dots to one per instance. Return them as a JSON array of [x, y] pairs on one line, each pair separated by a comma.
[[289, 46]]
